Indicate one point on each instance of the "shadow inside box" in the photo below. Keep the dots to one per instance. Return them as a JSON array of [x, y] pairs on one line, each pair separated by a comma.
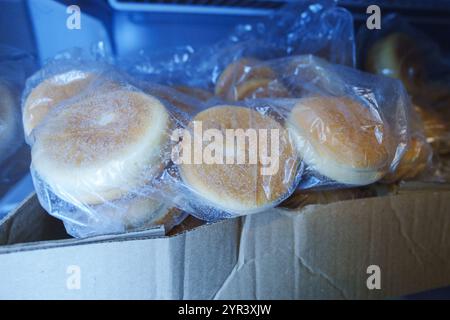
[[37, 225], [14, 168]]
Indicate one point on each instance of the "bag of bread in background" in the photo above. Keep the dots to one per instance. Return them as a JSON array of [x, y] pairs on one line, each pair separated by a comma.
[[318, 27], [401, 51], [99, 144]]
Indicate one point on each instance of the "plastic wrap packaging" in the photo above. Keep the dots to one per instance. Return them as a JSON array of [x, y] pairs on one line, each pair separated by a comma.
[[416, 162], [358, 120], [101, 156], [98, 142], [301, 27], [104, 155], [349, 128], [400, 51]]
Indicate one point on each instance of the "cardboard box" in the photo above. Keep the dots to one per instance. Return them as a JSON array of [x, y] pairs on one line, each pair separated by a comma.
[[321, 251]]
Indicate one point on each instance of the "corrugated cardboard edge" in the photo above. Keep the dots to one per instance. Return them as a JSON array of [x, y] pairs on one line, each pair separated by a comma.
[[319, 252], [324, 251]]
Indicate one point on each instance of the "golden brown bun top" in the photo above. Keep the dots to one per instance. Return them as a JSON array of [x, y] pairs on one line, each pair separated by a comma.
[[415, 161], [51, 92], [101, 147], [92, 130], [434, 126], [398, 56], [344, 129], [242, 186], [241, 70]]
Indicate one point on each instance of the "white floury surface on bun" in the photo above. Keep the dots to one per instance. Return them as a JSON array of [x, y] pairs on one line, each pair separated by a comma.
[[242, 188], [49, 93], [101, 147]]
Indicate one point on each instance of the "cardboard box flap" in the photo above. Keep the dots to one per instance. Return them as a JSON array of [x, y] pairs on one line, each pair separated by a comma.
[[318, 252], [325, 251]]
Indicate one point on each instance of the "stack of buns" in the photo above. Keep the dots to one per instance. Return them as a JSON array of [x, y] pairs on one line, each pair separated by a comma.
[[101, 148], [99, 152], [242, 188]]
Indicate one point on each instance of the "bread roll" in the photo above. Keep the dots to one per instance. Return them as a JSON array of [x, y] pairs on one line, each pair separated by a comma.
[[341, 139], [307, 75], [398, 56], [101, 147], [51, 92], [415, 161], [242, 188], [239, 71], [436, 130]]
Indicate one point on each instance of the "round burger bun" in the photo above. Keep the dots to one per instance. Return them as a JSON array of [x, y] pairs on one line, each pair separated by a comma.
[[415, 161], [341, 139], [241, 70], [51, 92], [101, 147], [241, 188], [436, 130], [398, 56]]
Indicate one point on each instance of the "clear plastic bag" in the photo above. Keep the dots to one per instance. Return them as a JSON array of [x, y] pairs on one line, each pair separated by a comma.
[[416, 163], [302, 27], [98, 145], [369, 111], [103, 152], [400, 51]]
